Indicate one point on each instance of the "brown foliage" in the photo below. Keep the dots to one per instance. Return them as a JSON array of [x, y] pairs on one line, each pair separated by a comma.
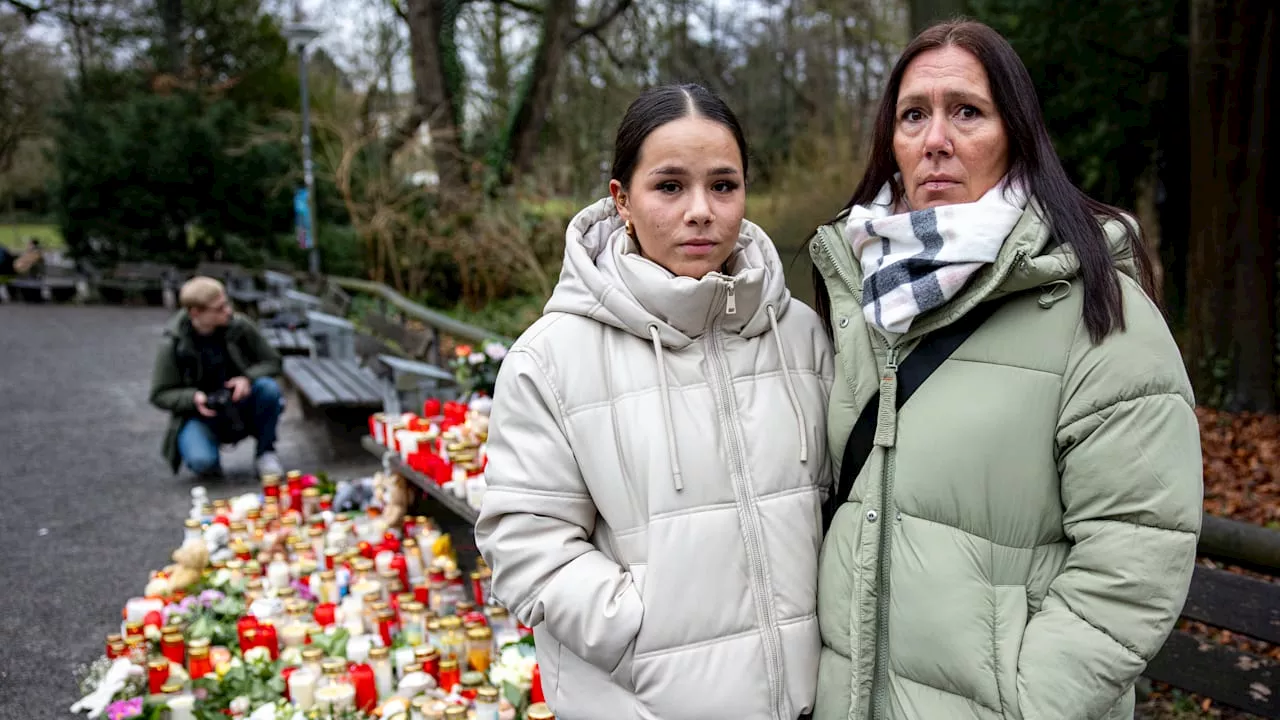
[[1241, 465]]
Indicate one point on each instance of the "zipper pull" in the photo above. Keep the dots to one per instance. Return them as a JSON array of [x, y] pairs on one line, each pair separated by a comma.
[[731, 302], [887, 410]]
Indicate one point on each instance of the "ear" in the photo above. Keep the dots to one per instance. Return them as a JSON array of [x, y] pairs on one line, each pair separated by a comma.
[[620, 199]]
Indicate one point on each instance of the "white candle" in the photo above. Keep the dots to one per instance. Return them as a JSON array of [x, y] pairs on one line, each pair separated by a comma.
[[335, 697], [180, 707], [278, 574], [294, 635], [302, 688], [404, 657], [358, 648], [382, 561], [383, 679]]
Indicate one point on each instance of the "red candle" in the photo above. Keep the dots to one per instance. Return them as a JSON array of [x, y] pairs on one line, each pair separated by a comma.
[[366, 687], [391, 542], [157, 674], [398, 564], [431, 408], [366, 550], [535, 693], [324, 614], [284, 674], [248, 640], [200, 665], [421, 592], [248, 622], [153, 618], [174, 648], [384, 628], [268, 639]]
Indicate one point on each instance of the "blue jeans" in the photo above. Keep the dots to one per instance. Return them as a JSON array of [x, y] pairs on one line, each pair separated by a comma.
[[198, 443]]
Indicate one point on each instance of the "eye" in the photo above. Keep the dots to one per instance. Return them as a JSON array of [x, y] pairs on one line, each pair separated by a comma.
[[969, 112], [670, 187], [913, 115], [725, 186]]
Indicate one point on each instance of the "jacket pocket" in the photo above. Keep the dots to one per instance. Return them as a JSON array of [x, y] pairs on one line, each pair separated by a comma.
[[624, 673], [1009, 623], [547, 652]]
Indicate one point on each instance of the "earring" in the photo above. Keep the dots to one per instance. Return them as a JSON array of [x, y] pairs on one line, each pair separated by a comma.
[[631, 231]]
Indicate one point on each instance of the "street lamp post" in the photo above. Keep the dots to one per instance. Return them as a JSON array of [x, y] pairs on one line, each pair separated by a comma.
[[300, 35]]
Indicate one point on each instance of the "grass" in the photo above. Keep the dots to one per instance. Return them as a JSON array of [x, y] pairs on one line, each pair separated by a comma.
[[15, 237]]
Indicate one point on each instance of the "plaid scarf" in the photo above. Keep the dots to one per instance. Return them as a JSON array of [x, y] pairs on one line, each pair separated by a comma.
[[916, 261]]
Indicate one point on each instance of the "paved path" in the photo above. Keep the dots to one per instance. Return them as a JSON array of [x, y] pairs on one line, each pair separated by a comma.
[[87, 505]]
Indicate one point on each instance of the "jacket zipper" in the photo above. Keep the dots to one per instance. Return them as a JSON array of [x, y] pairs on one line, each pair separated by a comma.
[[886, 437], [888, 394], [731, 302], [751, 523]]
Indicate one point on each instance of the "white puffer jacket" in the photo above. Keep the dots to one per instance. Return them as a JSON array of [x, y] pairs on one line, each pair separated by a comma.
[[657, 461]]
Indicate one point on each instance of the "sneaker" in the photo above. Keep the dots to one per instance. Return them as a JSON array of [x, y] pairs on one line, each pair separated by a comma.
[[268, 464], [213, 474]]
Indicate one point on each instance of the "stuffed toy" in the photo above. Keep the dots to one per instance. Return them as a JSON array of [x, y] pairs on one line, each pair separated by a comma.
[[391, 492], [190, 561]]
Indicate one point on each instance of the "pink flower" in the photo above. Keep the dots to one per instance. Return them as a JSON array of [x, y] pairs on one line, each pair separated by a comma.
[[122, 709]]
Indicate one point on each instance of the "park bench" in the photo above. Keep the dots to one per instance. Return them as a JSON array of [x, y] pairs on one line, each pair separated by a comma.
[[289, 341], [239, 283], [325, 383], [410, 382], [42, 289], [152, 283], [1237, 603]]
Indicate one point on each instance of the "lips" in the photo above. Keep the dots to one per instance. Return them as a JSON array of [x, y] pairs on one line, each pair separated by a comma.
[[938, 182], [698, 246]]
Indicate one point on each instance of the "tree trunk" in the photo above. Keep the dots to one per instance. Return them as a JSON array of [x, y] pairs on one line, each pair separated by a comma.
[[437, 83], [1231, 264], [536, 91], [928, 12], [171, 20]]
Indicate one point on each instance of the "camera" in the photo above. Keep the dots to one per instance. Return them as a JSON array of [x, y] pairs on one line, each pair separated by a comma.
[[219, 401]]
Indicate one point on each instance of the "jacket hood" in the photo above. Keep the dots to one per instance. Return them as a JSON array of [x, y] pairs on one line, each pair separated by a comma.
[[605, 278]]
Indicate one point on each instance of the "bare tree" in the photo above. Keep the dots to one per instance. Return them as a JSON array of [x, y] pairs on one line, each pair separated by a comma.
[[29, 84]]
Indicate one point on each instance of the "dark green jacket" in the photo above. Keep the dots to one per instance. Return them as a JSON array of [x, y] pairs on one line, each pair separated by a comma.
[[177, 370]]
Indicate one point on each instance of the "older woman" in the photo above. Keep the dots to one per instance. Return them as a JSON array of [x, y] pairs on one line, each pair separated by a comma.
[[1019, 490]]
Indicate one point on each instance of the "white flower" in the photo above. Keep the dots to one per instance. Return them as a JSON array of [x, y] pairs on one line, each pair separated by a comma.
[[291, 656], [220, 578], [495, 350], [240, 705], [257, 656], [476, 358]]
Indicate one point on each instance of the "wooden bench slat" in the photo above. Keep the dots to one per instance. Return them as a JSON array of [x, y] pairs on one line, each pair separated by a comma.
[[1235, 602], [337, 380], [312, 388], [1231, 677]]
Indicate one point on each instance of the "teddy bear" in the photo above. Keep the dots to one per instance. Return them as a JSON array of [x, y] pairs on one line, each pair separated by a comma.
[[189, 563], [391, 491]]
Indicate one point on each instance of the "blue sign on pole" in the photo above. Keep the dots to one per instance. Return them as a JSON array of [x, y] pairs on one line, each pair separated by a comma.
[[302, 218]]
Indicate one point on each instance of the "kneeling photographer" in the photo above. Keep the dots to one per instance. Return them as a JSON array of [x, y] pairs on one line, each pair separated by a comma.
[[215, 375]]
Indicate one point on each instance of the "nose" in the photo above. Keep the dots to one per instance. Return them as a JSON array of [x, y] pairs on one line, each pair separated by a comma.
[[937, 139], [699, 211]]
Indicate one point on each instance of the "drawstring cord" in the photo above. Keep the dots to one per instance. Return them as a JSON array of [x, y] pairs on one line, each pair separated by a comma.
[[666, 407], [791, 389]]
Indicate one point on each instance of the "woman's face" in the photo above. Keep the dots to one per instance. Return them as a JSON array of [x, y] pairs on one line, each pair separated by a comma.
[[687, 197], [948, 139]]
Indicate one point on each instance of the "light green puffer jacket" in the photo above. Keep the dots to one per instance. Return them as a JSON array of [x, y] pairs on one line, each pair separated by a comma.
[[1023, 545]]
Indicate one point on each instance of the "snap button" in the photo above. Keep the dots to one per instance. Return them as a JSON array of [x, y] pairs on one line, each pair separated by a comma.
[[844, 322], [899, 517], [872, 515]]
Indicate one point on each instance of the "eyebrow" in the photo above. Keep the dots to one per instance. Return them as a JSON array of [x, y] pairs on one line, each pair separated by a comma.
[[951, 97], [679, 171]]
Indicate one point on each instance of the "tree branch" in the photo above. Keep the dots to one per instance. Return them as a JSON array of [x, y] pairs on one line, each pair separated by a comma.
[[608, 50], [28, 11], [606, 17], [515, 5]]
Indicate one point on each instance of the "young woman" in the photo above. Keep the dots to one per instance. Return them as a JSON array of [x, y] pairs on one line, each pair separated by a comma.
[[657, 451], [1019, 539]]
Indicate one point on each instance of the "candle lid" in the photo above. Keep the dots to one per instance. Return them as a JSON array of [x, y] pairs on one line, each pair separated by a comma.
[[487, 694], [480, 633], [428, 652], [114, 637], [310, 492], [270, 480], [454, 711], [539, 711], [497, 611], [410, 543], [386, 614], [452, 622], [379, 653], [191, 524], [294, 474], [171, 688], [134, 640], [312, 653], [198, 643], [412, 668], [333, 666], [174, 637], [159, 664], [412, 606], [464, 606], [133, 625], [448, 664]]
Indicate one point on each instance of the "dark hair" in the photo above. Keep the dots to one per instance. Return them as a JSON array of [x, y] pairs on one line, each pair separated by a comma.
[[660, 105], [1072, 215]]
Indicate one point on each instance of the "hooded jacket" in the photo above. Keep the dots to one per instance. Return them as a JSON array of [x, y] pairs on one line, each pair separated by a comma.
[[1020, 541], [657, 463], [177, 370]]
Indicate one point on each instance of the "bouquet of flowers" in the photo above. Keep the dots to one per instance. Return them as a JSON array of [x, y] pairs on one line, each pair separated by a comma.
[[476, 369]]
